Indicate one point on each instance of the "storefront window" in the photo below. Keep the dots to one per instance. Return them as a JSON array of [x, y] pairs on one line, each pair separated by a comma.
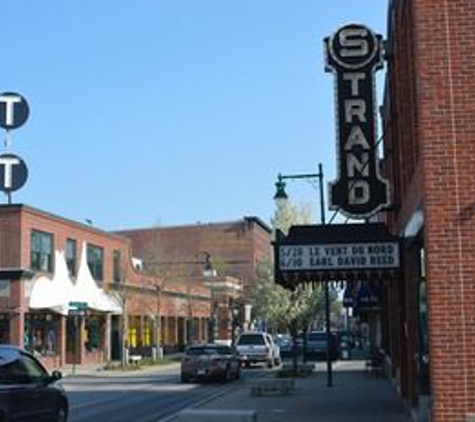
[[93, 327], [135, 333], [42, 333], [147, 332], [4, 329]]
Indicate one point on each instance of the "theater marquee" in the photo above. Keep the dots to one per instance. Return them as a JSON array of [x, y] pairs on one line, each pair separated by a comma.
[[339, 256], [354, 53], [336, 252]]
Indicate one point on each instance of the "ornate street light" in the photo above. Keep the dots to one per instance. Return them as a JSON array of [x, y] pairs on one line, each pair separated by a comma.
[[209, 273], [280, 199]]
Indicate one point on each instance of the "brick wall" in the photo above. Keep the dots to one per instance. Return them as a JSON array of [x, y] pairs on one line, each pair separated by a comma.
[[433, 141], [235, 247], [16, 223]]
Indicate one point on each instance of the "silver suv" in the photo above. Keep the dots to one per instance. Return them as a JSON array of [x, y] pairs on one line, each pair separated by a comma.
[[257, 347]]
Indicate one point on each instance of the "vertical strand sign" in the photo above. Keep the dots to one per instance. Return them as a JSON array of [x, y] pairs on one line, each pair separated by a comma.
[[354, 53]]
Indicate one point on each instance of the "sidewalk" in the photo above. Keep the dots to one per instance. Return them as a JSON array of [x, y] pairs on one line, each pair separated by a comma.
[[98, 370], [354, 397]]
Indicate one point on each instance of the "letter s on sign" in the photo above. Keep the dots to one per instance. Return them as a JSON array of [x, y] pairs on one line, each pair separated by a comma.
[[353, 42]]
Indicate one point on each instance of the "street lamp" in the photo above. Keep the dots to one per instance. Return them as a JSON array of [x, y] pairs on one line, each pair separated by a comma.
[[234, 323], [210, 272], [281, 199]]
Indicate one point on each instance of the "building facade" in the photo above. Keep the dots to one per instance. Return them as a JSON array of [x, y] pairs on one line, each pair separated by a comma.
[[50, 267], [226, 255], [429, 158]]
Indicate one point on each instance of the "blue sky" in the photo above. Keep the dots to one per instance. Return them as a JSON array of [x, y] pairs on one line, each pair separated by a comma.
[[172, 112]]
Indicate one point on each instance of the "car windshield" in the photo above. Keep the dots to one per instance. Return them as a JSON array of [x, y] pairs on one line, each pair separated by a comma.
[[251, 339], [194, 351]]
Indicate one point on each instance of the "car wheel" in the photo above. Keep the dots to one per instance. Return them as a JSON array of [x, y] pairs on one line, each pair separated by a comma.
[[185, 378], [277, 362], [270, 363], [61, 415], [248, 364]]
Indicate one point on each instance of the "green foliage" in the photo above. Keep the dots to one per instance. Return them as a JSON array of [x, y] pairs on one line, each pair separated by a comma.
[[285, 310], [290, 214]]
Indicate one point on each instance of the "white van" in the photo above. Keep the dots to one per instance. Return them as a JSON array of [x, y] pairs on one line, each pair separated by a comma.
[[257, 347]]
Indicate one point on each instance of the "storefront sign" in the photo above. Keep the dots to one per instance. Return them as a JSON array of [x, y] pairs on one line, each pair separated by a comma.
[[354, 53], [335, 252], [340, 256]]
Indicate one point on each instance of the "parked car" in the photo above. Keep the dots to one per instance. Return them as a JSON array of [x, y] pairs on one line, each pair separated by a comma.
[[285, 345], [317, 345], [27, 391], [210, 361], [257, 347]]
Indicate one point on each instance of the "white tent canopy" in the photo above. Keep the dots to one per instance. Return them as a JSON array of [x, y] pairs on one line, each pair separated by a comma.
[[58, 292]]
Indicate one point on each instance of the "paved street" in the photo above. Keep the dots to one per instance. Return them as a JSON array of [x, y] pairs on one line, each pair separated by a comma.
[[140, 397], [157, 395]]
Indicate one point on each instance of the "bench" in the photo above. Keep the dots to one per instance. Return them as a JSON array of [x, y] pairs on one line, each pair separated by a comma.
[[272, 386], [135, 359], [217, 415]]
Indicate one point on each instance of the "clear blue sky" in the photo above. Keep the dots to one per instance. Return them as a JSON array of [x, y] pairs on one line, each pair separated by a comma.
[[172, 112]]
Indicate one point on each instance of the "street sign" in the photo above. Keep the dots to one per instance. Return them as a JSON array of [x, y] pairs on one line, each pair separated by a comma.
[[79, 306], [14, 110], [13, 172], [77, 312]]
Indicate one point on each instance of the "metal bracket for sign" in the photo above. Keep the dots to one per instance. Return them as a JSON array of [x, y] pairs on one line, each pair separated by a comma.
[[8, 139]]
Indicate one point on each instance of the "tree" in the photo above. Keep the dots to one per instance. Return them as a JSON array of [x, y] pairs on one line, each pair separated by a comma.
[[284, 310], [289, 214]]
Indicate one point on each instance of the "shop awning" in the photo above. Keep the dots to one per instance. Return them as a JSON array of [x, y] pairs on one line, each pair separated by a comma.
[[58, 292]]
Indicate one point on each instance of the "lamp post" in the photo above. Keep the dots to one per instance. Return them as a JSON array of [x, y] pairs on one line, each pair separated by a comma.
[[280, 199], [210, 273]]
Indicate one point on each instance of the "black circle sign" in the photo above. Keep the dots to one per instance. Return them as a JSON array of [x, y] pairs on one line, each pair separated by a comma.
[[354, 46], [13, 172], [14, 110]]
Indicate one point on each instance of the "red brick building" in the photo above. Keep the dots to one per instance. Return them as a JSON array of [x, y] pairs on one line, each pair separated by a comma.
[[47, 261], [429, 139], [233, 250]]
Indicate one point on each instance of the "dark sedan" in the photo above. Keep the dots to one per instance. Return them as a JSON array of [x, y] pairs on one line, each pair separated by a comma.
[[317, 345], [210, 361], [27, 391]]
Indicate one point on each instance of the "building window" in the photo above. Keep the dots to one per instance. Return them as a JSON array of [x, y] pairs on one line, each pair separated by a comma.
[[95, 261], [117, 261], [41, 251], [42, 333], [71, 256]]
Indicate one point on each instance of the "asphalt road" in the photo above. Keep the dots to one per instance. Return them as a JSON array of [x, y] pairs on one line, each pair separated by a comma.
[[150, 397]]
